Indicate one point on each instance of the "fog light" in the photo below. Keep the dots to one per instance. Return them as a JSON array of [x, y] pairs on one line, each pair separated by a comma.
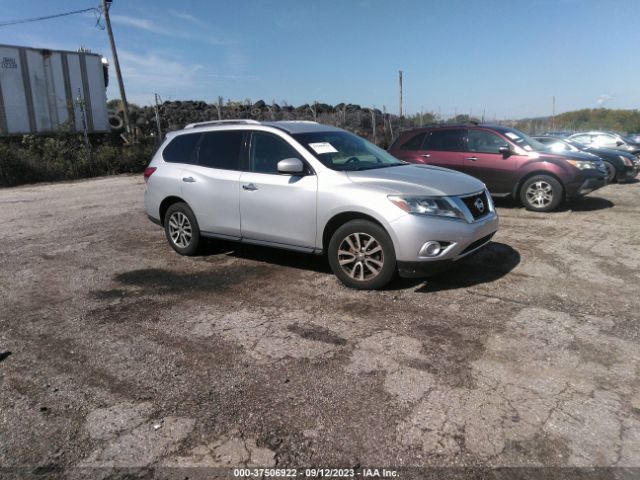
[[430, 249]]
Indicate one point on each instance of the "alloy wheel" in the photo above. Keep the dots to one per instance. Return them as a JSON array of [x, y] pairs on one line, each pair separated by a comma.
[[611, 172], [539, 194], [180, 229], [360, 256]]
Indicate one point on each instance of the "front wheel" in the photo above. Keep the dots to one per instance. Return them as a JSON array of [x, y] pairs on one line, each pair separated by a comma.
[[611, 172], [541, 193], [361, 255], [181, 229]]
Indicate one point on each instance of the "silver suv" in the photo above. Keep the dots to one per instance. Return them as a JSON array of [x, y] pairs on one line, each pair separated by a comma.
[[317, 189]]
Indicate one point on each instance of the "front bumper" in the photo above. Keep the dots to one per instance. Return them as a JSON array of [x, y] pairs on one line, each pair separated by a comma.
[[426, 269], [627, 173], [410, 232], [586, 182]]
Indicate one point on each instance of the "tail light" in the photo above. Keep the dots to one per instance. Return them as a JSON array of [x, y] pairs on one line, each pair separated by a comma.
[[148, 172]]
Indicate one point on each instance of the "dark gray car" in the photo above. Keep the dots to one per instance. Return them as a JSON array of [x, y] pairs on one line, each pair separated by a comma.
[[621, 165]]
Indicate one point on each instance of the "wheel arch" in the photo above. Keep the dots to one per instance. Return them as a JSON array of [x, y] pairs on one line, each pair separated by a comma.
[[166, 203], [340, 219], [518, 186]]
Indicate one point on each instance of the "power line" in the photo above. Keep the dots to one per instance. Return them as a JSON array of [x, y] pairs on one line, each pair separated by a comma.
[[48, 17]]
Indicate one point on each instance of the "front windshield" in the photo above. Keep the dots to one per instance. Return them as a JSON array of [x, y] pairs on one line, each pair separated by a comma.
[[522, 140], [339, 150]]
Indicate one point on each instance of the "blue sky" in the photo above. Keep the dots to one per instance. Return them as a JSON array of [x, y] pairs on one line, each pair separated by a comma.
[[505, 57]]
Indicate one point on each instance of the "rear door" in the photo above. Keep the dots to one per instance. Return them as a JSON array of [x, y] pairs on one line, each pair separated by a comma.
[[484, 161], [211, 187], [275, 208], [444, 148]]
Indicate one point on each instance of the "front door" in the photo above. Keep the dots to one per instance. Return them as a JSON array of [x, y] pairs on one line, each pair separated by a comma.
[[484, 161], [275, 208]]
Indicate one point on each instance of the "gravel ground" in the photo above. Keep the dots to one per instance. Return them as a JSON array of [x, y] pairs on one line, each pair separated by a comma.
[[117, 352]]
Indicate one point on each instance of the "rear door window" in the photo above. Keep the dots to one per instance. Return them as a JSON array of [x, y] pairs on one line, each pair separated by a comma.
[[221, 149], [182, 149], [605, 140], [583, 139], [451, 140]]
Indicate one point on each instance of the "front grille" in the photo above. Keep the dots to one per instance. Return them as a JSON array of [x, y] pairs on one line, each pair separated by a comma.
[[478, 205], [478, 243]]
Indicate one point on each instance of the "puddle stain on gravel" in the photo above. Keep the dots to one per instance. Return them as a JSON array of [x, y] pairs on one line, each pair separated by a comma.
[[161, 281], [317, 333]]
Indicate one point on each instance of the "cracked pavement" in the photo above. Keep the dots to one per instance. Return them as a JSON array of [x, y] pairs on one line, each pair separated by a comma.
[[115, 352]]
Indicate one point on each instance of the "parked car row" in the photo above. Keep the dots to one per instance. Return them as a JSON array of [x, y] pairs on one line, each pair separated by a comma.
[[313, 188], [621, 165], [510, 163]]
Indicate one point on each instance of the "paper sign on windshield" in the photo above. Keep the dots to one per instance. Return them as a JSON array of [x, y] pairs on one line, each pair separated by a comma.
[[512, 135], [323, 147]]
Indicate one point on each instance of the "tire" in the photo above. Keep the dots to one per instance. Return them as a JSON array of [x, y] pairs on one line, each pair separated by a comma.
[[179, 221], [611, 172], [367, 270], [541, 193]]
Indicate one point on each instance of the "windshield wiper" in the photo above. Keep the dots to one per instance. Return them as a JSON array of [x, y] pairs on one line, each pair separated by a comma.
[[373, 167]]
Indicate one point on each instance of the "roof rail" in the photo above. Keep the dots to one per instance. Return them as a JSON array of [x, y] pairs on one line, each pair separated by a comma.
[[223, 122], [296, 121]]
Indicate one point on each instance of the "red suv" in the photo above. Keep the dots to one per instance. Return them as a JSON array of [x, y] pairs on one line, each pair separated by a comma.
[[510, 163]]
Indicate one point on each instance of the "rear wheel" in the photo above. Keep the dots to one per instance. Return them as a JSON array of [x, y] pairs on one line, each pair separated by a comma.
[[181, 229], [361, 255], [611, 172], [541, 193]]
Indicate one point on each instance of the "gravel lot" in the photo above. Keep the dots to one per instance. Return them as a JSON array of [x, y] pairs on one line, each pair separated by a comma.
[[117, 352]]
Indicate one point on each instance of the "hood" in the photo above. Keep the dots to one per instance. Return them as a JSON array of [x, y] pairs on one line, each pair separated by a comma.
[[418, 180], [608, 152], [583, 156]]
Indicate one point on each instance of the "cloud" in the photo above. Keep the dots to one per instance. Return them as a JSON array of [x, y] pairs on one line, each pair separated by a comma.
[[149, 25], [154, 72], [188, 17], [141, 23], [603, 99]]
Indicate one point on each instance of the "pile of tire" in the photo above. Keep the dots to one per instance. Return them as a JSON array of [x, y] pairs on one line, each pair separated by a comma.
[[174, 115]]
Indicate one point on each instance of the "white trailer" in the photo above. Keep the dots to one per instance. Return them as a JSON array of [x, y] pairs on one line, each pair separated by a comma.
[[45, 91]]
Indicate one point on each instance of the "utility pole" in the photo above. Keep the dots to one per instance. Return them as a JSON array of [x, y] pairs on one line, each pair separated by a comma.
[[400, 72], [553, 112], [373, 124], [106, 4], [156, 109]]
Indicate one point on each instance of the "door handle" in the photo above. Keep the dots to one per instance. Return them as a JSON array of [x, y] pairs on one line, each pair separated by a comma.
[[250, 187], [473, 159], [425, 155], [188, 179]]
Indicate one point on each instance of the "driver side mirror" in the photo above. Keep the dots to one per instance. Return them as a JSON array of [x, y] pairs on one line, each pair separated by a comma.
[[291, 166], [619, 142], [505, 150]]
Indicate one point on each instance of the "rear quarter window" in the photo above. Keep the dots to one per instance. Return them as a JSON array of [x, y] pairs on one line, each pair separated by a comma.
[[182, 149], [414, 143]]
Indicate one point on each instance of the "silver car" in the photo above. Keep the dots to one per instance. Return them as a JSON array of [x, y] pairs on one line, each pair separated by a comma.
[[318, 189]]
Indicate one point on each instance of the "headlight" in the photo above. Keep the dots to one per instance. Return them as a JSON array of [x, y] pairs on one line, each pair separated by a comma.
[[626, 160], [582, 165], [436, 206]]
